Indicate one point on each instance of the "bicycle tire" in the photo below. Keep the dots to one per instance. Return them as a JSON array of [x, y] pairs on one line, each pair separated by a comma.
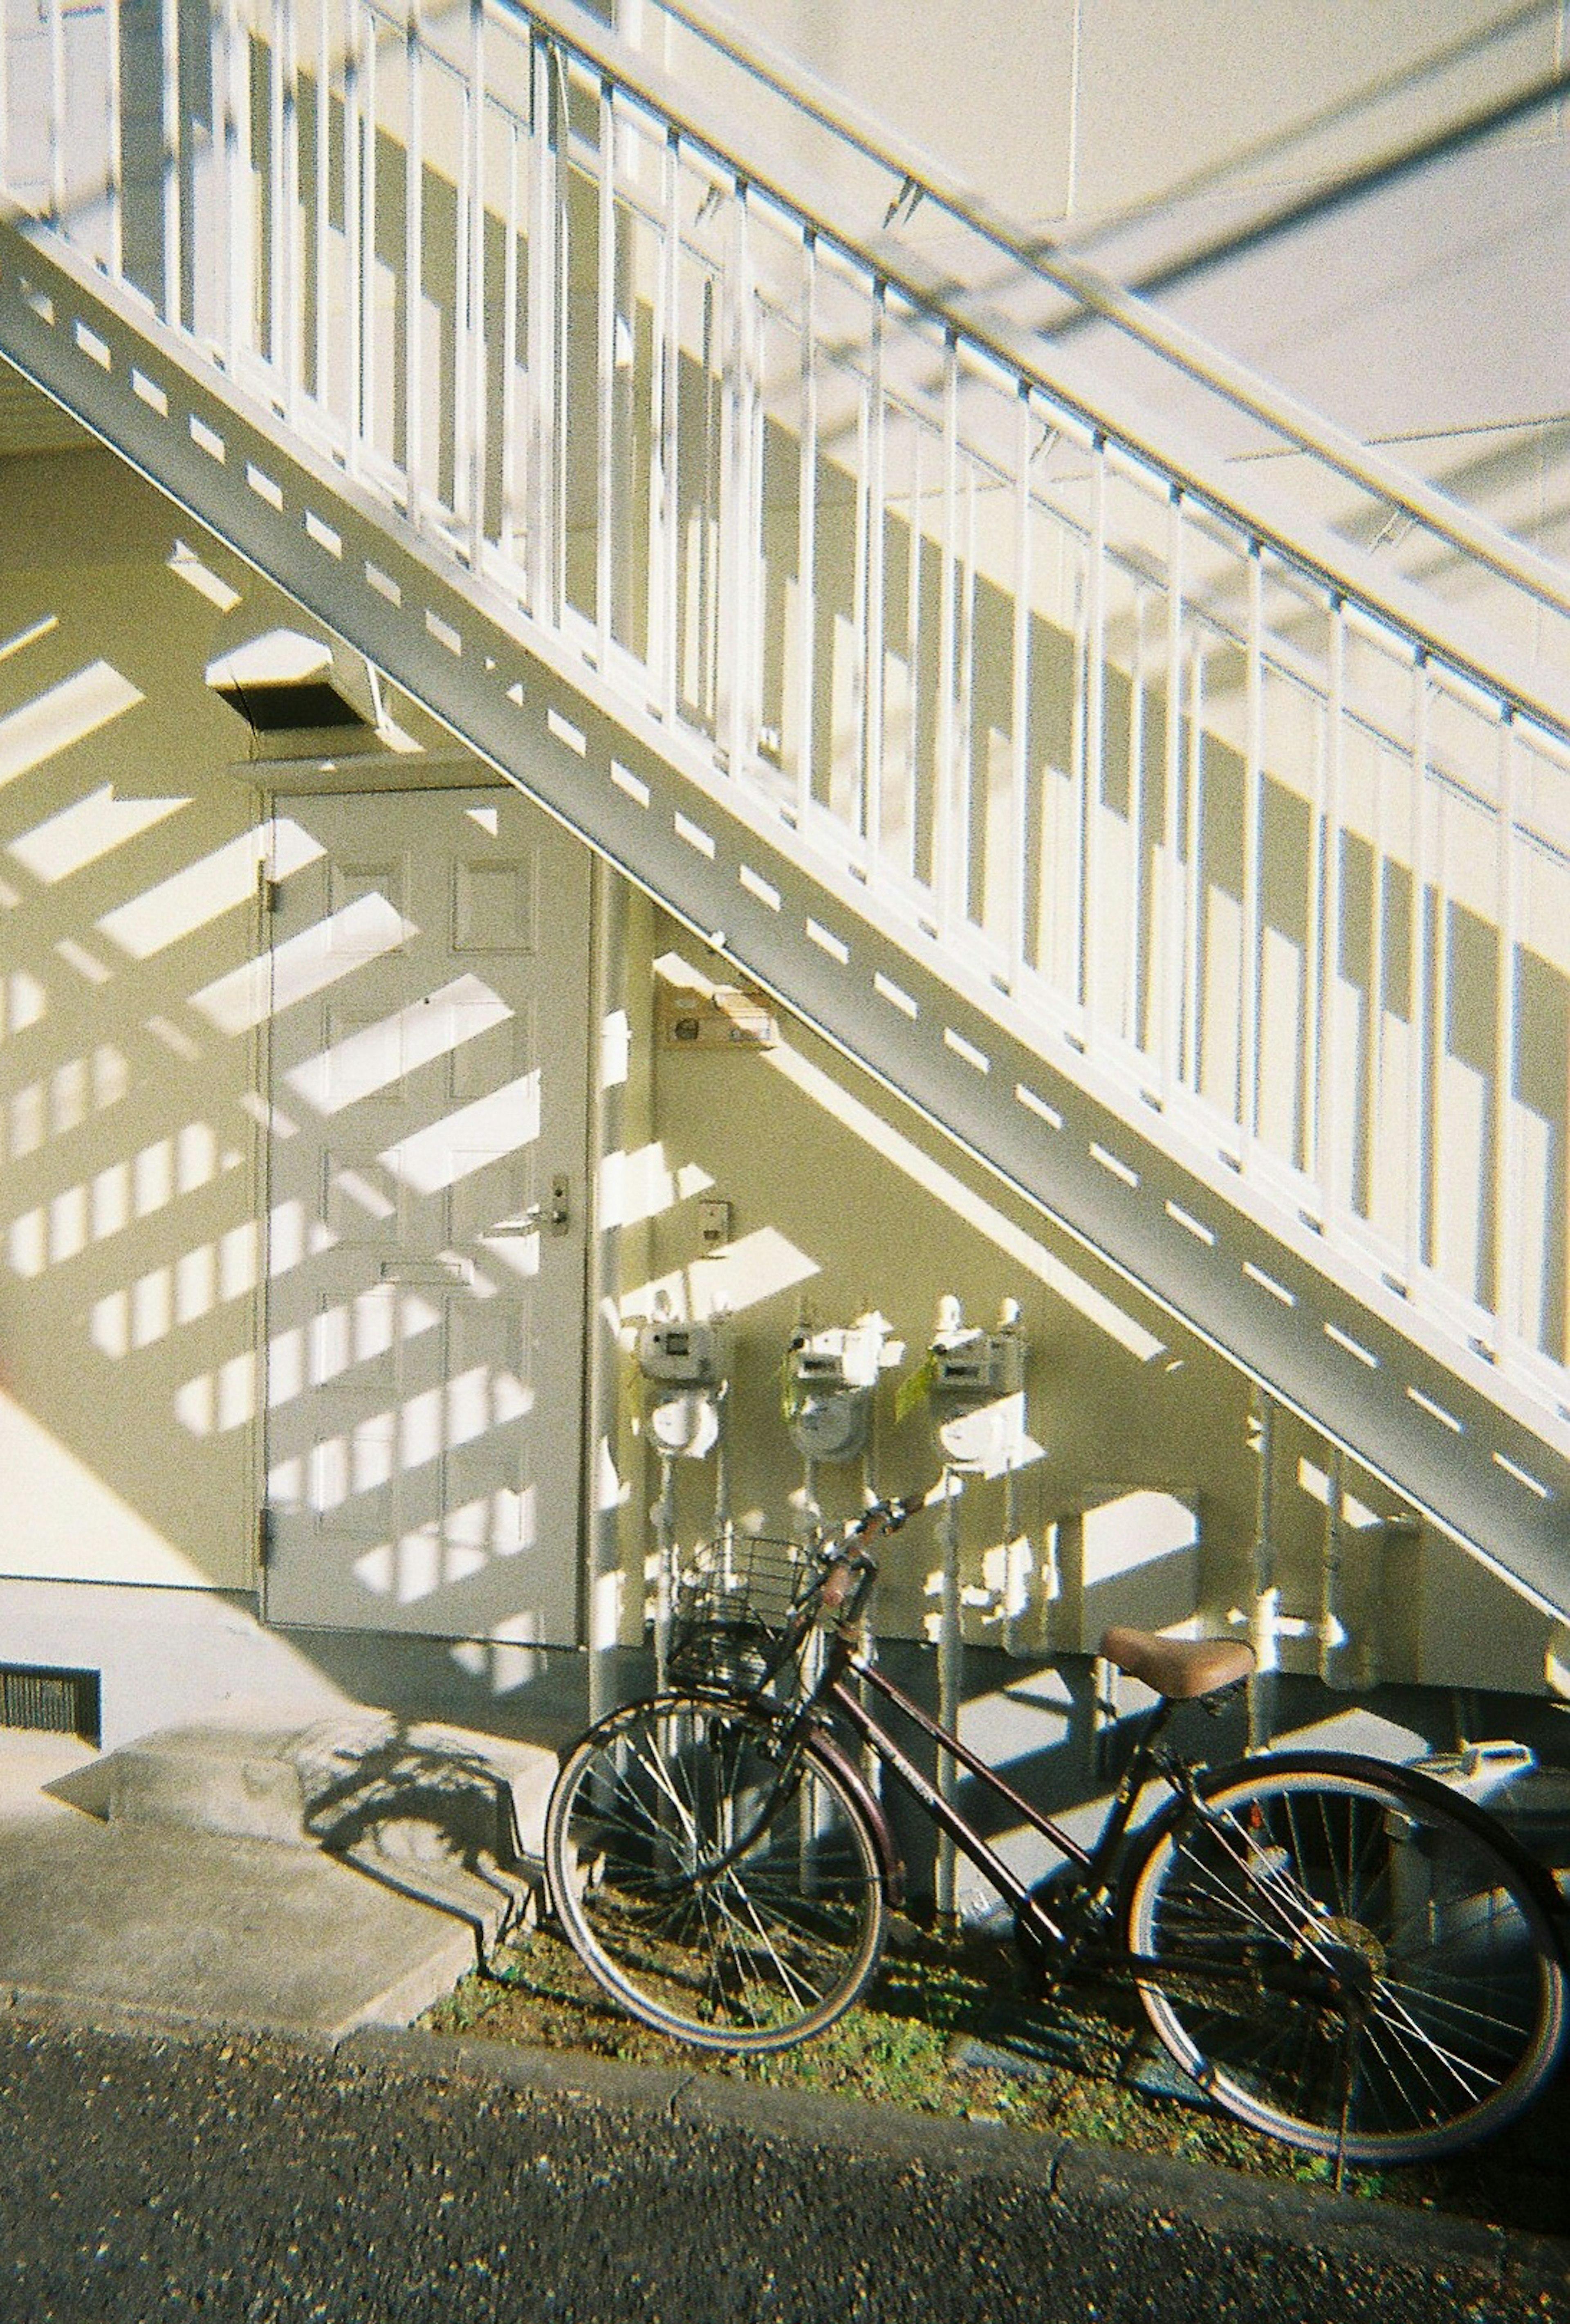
[[719, 1892], [1348, 1958]]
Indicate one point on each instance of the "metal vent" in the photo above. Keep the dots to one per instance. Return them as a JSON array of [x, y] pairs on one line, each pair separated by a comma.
[[51, 1701]]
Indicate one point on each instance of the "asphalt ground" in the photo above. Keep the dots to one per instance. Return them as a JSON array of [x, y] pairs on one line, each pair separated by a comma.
[[150, 2171]]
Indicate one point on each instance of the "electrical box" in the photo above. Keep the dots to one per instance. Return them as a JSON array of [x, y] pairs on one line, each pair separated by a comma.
[[731, 1017]]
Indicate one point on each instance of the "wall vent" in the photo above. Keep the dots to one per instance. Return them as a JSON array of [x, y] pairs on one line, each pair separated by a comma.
[[51, 1701]]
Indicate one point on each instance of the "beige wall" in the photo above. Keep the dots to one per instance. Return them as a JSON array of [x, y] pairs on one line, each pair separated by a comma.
[[127, 1298], [129, 1308], [1081, 109]]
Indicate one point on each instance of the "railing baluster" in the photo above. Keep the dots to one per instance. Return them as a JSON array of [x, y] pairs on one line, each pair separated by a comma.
[[322, 208], [57, 135], [1416, 1236], [665, 628], [452, 450], [233, 157], [370, 173], [946, 849], [1128, 1027], [1251, 966], [169, 161], [285, 234], [967, 909], [1194, 889], [1089, 768], [1507, 1174], [1324, 1114], [115, 127], [473, 310], [506, 521], [876, 532], [545, 545], [807, 530], [1020, 697], [1175, 906], [414, 268], [731, 626], [608, 516], [915, 648], [353, 226]]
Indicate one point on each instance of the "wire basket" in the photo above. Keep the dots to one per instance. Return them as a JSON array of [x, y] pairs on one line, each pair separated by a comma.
[[731, 1618]]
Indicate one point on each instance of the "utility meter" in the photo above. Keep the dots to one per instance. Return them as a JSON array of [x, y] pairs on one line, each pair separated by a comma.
[[830, 1377], [684, 1366], [977, 1388]]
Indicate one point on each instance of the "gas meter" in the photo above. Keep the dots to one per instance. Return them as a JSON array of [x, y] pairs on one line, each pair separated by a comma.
[[976, 1387], [829, 1377], [681, 1355], [684, 1366]]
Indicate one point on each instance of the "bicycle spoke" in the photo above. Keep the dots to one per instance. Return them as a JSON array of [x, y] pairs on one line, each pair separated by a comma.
[[717, 1911], [1345, 1961]]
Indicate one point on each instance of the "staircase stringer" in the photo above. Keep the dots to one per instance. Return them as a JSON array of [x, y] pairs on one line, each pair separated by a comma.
[[1106, 1172]]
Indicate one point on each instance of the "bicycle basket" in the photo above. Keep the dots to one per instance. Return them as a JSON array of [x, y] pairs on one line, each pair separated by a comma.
[[731, 1615]]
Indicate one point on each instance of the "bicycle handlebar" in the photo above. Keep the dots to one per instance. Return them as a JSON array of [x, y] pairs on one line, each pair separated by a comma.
[[848, 1566]]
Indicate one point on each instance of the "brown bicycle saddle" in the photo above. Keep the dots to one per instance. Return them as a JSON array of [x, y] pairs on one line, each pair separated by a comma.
[[1181, 1669]]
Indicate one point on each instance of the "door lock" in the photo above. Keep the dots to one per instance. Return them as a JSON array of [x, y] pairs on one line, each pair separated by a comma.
[[554, 1215]]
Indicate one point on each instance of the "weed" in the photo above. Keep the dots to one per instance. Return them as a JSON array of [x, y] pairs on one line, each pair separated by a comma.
[[946, 2031]]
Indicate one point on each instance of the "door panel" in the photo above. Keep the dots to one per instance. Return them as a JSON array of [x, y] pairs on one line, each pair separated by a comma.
[[428, 1078]]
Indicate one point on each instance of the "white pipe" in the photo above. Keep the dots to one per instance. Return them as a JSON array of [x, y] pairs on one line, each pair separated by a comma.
[[950, 1650], [665, 1533], [1264, 1607], [601, 1283], [1333, 1639]]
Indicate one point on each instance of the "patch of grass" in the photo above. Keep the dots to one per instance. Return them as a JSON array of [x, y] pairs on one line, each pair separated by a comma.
[[1071, 2066]]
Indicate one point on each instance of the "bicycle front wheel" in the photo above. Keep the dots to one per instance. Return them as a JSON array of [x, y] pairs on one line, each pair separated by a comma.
[[721, 1886], [1347, 1959]]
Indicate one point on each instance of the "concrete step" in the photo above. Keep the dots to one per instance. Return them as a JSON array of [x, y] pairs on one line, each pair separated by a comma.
[[443, 1815]]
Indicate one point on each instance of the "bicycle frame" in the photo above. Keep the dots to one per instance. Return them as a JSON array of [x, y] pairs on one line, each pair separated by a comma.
[[1094, 1863]]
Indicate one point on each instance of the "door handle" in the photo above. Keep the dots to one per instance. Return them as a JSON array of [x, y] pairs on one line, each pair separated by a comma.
[[554, 1215]]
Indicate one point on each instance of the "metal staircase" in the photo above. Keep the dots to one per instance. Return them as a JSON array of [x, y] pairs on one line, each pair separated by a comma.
[[1201, 871]]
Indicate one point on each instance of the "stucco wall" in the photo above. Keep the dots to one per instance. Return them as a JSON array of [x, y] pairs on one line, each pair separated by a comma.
[[128, 1297]]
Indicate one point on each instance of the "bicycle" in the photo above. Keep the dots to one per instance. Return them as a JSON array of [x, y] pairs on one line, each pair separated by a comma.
[[1333, 1948]]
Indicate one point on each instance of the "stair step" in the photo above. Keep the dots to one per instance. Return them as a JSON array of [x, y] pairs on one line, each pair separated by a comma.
[[441, 1813]]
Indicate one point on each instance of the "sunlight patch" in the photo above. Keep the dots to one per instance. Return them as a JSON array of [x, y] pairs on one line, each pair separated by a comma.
[[66, 714]]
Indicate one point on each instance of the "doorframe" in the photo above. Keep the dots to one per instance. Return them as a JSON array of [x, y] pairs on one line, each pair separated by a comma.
[[597, 1551]]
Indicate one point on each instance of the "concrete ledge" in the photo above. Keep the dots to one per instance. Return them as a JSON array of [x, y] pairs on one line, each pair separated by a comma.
[[1487, 2262]]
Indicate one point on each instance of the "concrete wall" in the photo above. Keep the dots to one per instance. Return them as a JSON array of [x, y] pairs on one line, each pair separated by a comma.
[[129, 869]]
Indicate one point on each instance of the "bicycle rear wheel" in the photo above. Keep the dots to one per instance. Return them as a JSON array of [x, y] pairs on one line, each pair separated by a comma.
[[721, 1888], [1347, 1959]]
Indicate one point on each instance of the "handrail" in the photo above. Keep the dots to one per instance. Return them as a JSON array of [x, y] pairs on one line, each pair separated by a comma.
[[1295, 422]]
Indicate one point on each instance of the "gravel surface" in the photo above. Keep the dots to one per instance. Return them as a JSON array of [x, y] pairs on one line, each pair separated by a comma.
[[156, 2174]]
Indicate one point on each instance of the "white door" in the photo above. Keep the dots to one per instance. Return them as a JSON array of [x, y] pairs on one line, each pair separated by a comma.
[[428, 1085]]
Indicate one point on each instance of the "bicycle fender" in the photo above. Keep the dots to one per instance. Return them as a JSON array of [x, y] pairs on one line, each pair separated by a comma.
[[871, 1807], [1535, 1876]]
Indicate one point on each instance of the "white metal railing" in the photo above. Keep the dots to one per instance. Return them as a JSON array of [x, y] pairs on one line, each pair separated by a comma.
[[1252, 827]]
